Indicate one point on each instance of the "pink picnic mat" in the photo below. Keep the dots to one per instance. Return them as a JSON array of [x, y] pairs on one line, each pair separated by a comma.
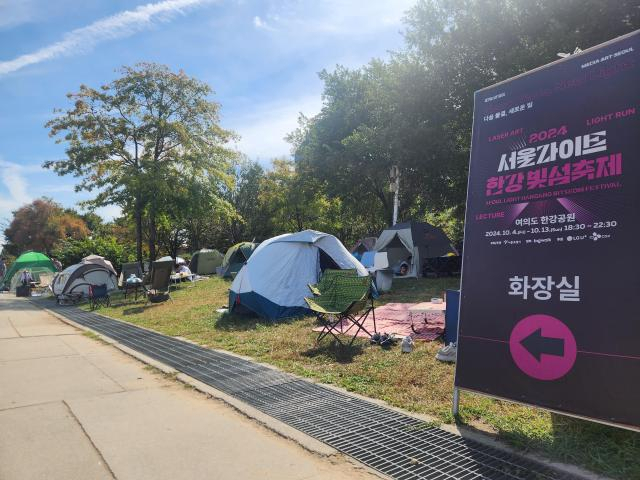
[[395, 318]]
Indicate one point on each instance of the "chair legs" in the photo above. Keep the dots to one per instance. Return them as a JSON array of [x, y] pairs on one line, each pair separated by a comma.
[[95, 303], [331, 324]]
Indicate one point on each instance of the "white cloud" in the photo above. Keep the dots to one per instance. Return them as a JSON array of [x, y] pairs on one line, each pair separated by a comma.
[[109, 212], [16, 186], [260, 23], [121, 24], [47, 190], [15, 14], [263, 129], [336, 17], [11, 175]]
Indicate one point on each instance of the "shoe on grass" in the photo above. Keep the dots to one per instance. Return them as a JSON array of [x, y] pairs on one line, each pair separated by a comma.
[[447, 353], [386, 339]]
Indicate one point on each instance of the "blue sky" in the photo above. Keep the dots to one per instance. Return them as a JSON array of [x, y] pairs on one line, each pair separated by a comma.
[[260, 57]]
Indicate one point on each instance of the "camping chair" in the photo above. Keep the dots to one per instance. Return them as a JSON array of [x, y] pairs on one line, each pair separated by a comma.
[[45, 282], [348, 298], [159, 288], [99, 296], [328, 277]]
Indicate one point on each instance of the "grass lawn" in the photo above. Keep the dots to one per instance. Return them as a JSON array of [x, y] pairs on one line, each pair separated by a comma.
[[415, 382]]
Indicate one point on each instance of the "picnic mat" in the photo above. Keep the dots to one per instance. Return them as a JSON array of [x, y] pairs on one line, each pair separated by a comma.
[[395, 318]]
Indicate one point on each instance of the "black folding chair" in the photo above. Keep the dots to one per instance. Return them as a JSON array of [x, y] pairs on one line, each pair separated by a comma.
[[99, 296]]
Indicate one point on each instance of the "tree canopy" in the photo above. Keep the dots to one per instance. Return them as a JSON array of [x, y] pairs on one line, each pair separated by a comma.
[[150, 141], [40, 226], [141, 137], [415, 110]]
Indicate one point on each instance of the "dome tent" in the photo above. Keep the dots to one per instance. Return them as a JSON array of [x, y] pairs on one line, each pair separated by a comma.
[[35, 262], [273, 283], [168, 258], [79, 277], [98, 260], [205, 261], [414, 243], [236, 257]]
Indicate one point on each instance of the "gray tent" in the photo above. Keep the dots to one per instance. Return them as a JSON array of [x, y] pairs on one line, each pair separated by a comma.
[[79, 277], [414, 243], [205, 261]]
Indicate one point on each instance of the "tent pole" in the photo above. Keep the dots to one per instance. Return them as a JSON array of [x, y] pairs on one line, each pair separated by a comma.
[[395, 183]]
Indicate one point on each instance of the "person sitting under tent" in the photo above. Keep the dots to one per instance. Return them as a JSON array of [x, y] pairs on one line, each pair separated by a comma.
[[182, 268], [26, 278], [183, 272], [403, 267]]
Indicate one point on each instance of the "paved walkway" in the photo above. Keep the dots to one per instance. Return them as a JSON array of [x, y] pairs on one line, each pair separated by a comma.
[[72, 407]]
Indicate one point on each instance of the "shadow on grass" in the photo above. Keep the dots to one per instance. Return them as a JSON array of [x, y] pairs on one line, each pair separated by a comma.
[[138, 309], [335, 351], [231, 322]]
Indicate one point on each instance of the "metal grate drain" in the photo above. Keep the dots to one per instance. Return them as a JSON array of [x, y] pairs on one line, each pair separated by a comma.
[[390, 442]]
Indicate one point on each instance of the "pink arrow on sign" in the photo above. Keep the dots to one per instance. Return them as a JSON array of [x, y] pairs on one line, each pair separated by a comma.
[[543, 347]]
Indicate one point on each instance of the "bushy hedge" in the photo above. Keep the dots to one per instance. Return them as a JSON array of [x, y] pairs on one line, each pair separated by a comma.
[[72, 251]]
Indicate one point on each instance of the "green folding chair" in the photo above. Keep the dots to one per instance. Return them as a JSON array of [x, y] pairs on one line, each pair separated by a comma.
[[328, 276], [347, 298]]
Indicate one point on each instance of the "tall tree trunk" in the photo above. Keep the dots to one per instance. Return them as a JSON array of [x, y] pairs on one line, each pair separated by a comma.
[[138, 219], [153, 231]]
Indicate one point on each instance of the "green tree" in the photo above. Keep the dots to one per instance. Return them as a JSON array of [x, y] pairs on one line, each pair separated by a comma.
[[253, 220], [471, 44], [133, 137], [71, 251], [192, 208], [374, 118], [296, 202], [416, 109]]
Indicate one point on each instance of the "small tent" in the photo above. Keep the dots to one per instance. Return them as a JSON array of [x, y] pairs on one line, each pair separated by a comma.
[[79, 277], [274, 281], [363, 245], [98, 260], [236, 257], [414, 243], [205, 261], [168, 258], [34, 262]]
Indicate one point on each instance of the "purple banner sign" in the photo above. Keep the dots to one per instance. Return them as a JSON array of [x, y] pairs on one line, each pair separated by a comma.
[[551, 271]]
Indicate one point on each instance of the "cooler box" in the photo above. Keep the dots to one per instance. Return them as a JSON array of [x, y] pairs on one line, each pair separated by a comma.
[[23, 291]]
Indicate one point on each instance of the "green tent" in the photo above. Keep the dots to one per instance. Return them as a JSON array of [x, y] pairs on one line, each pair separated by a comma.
[[236, 257], [205, 261], [35, 262]]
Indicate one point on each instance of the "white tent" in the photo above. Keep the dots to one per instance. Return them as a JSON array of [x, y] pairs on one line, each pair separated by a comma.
[[177, 260], [273, 283], [98, 260], [79, 277]]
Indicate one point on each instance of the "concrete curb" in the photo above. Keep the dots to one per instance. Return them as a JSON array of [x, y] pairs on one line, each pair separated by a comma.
[[305, 441]]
